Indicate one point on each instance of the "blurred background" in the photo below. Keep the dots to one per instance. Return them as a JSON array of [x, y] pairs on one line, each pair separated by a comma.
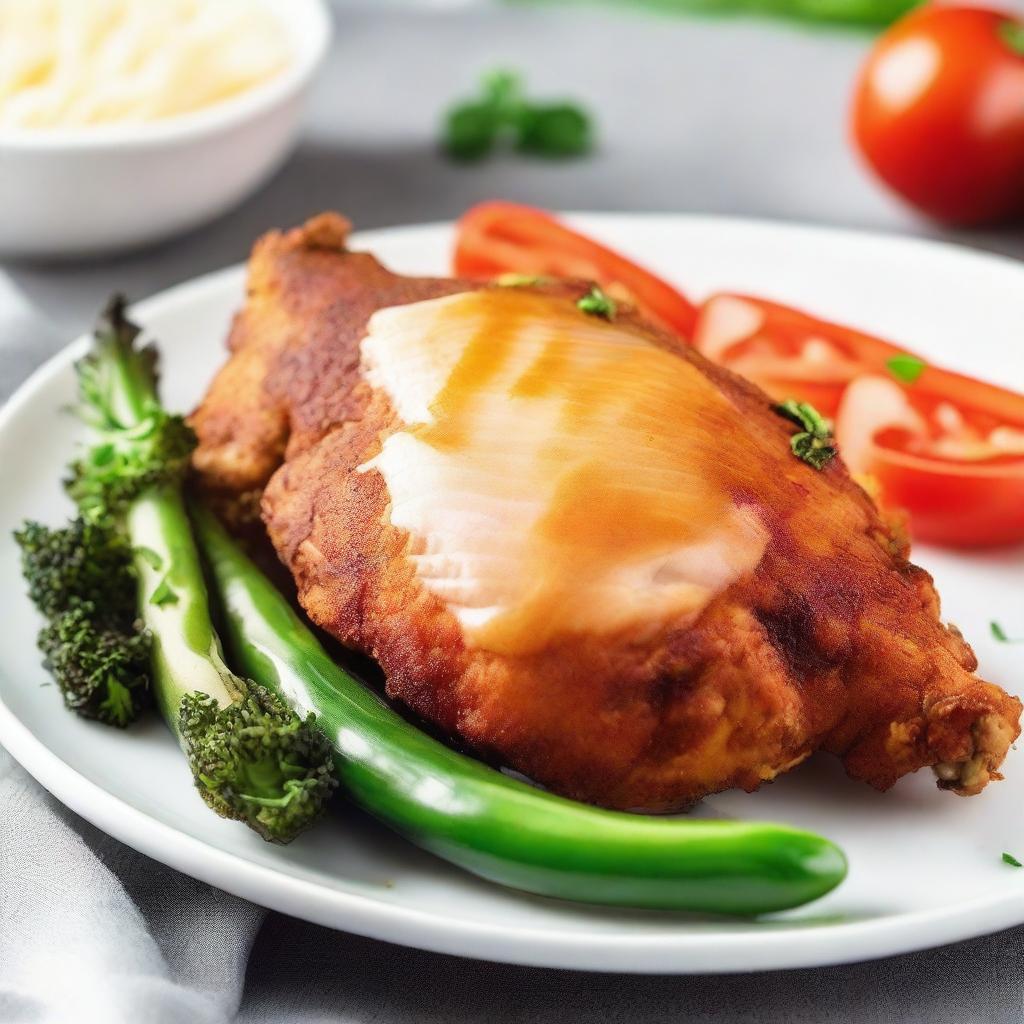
[[720, 106]]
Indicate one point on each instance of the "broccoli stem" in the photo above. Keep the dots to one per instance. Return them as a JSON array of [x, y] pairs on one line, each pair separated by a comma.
[[252, 758], [131, 384], [173, 604]]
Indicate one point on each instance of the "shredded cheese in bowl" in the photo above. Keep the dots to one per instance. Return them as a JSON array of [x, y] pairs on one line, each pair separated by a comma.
[[75, 63]]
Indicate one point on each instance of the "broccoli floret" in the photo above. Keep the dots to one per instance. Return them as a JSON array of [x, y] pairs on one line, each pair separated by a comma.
[[251, 756], [81, 578], [112, 474], [129, 621], [257, 756], [102, 672], [138, 444], [83, 561]]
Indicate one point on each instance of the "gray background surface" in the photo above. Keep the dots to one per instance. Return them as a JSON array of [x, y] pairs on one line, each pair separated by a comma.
[[737, 117]]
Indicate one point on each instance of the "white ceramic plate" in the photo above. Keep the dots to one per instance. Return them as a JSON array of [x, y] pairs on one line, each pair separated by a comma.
[[925, 866]]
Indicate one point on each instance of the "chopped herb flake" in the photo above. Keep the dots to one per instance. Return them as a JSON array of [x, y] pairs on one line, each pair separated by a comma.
[[597, 303], [1000, 634], [803, 414], [1008, 858], [905, 367], [814, 444], [149, 556], [815, 451], [163, 594]]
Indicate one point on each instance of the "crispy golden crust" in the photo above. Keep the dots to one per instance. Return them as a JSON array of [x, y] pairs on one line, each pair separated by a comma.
[[835, 645]]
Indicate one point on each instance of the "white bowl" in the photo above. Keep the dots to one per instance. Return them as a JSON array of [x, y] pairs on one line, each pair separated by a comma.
[[85, 191]]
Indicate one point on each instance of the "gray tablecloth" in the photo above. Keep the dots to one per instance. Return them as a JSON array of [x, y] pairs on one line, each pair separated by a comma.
[[729, 116]]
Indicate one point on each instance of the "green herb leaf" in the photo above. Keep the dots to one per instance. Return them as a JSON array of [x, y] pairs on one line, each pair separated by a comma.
[[1012, 33], [1000, 634], [905, 367], [163, 594], [1008, 858], [500, 113], [503, 92], [472, 128], [555, 130], [803, 414], [149, 556], [814, 443], [815, 451], [470, 131], [597, 303]]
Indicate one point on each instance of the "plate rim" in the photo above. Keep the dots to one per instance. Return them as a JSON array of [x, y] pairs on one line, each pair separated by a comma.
[[781, 945]]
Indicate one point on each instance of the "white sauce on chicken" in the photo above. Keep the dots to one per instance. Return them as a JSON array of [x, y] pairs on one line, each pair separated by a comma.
[[557, 474]]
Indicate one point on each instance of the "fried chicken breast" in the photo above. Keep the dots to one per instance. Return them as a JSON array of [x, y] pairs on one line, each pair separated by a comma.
[[573, 543]]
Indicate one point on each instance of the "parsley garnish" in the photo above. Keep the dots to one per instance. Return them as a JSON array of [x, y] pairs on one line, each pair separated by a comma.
[[905, 367], [500, 114], [554, 130], [1000, 634], [597, 303], [163, 594], [814, 444], [470, 131], [149, 556], [1008, 858]]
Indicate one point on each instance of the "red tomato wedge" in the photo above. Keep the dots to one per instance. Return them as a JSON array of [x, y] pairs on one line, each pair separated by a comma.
[[946, 448], [500, 238], [788, 353]]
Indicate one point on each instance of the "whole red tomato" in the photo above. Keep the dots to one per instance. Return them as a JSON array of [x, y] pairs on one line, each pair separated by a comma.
[[938, 112]]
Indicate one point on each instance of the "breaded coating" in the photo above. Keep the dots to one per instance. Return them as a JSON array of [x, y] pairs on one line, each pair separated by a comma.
[[832, 640]]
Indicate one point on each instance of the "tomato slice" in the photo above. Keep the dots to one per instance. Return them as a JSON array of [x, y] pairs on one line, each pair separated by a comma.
[[947, 449], [788, 353], [497, 238]]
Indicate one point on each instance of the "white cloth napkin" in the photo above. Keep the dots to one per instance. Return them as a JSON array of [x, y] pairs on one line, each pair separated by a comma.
[[93, 933]]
